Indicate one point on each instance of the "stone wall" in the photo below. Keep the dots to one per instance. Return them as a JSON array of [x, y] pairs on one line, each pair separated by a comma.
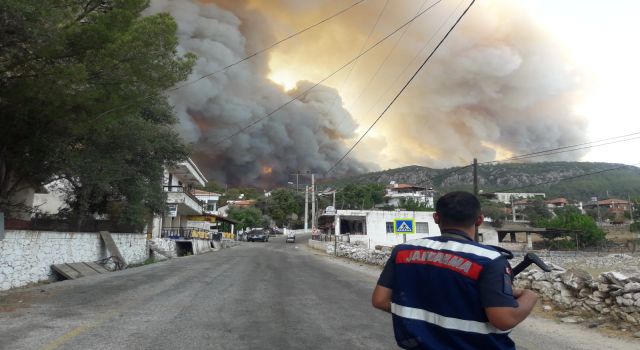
[[26, 256], [611, 294]]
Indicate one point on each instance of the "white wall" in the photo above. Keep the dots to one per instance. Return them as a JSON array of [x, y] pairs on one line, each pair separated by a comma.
[[377, 230], [26, 256]]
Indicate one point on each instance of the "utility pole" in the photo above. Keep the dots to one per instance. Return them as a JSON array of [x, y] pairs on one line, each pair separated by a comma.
[[475, 176], [475, 186], [306, 208], [297, 174], [313, 202], [334, 199], [630, 207]]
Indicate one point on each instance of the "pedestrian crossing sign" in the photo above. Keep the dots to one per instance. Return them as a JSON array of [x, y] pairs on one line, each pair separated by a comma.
[[403, 226]]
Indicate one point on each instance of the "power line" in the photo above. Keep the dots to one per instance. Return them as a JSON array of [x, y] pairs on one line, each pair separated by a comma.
[[364, 45], [567, 148], [403, 88], [325, 78], [415, 57], [371, 79], [568, 178], [256, 53]]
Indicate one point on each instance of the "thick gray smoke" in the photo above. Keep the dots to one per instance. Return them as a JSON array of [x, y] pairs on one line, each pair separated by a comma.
[[499, 85], [307, 135]]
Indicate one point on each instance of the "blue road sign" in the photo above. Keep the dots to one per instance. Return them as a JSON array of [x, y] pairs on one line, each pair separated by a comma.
[[404, 226]]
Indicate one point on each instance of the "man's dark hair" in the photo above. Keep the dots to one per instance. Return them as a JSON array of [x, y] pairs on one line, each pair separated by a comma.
[[458, 208]]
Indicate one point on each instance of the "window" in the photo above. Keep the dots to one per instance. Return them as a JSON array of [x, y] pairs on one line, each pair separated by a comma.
[[389, 227], [422, 227]]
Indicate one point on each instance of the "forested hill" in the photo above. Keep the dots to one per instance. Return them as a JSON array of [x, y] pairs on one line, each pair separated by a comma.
[[618, 183]]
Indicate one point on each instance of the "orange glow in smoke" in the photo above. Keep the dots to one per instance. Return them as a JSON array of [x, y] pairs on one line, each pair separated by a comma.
[[267, 170]]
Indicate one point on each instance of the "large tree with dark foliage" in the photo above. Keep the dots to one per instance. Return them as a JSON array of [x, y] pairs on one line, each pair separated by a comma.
[[81, 100]]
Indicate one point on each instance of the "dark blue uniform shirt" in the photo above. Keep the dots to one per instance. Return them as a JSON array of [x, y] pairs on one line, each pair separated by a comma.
[[441, 286]]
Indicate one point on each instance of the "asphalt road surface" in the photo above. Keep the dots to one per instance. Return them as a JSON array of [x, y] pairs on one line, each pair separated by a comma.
[[254, 296]]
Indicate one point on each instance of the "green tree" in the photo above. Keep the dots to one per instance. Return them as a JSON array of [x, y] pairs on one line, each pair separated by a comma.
[[249, 217], [413, 205], [360, 196], [281, 205], [81, 99], [495, 211], [536, 211], [580, 226]]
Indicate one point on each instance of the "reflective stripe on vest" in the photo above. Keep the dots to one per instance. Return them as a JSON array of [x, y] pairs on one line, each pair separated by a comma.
[[455, 246], [443, 321]]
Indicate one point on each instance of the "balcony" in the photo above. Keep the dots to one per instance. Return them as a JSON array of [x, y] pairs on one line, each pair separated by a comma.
[[188, 204]]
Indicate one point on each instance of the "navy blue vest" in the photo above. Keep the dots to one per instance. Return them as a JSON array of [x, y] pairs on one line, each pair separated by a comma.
[[436, 303]]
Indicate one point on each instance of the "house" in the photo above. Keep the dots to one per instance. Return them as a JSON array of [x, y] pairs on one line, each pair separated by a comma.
[[507, 197], [209, 199], [178, 183], [242, 203], [615, 204], [375, 227], [397, 193], [613, 208], [556, 203]]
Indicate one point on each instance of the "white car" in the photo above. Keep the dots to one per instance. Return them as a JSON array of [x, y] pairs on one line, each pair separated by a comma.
[[291, 239]]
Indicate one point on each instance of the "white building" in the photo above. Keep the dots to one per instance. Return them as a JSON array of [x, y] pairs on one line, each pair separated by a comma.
[[396, 193], [507, 197], [209, 199], [375, 227], [178, 183]]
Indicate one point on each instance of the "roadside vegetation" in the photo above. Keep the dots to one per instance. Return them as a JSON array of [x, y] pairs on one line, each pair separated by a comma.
[[82, 104]]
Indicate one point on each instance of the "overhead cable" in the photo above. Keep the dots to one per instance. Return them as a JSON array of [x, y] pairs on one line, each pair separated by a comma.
[[325, 78], [403, 88], [570, 148], [254, 54]]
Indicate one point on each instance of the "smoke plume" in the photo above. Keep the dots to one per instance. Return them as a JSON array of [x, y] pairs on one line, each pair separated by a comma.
[[498, 86], [307, 135]]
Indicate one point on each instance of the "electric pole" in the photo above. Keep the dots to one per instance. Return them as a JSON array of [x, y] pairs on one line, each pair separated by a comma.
[[306, 208], [475, 186], [297, 174], [475, 176], [313, 202]]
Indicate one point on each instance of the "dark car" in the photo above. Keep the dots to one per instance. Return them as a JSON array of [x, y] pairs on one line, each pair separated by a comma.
[[257, 235]]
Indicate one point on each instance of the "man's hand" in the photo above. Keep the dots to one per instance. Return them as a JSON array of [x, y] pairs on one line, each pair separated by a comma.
[[517, 292], [505, 318], [381, 298]]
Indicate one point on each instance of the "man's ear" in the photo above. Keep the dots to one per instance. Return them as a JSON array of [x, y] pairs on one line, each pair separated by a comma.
[[479, 220], [436, 217]]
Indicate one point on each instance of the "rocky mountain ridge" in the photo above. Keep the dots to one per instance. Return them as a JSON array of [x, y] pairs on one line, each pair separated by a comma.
[[573, 180]]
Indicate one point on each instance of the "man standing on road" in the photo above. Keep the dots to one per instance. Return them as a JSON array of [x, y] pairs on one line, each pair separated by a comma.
[[449, 292]]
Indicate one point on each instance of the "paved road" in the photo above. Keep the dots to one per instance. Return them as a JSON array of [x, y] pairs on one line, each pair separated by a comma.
[[253, 296]]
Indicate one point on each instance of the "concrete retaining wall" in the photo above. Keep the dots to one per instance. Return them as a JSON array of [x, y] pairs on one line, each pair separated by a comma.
[[26, 256]]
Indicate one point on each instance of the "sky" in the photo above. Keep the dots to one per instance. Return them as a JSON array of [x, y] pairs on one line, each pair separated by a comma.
[[514, 77], [602, 38]]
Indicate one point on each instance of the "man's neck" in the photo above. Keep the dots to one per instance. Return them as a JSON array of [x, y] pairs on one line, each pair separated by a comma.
[[470, 232]]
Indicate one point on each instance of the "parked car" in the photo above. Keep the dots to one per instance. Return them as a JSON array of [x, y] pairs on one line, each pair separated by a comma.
[[257, 235], [291, 238]]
